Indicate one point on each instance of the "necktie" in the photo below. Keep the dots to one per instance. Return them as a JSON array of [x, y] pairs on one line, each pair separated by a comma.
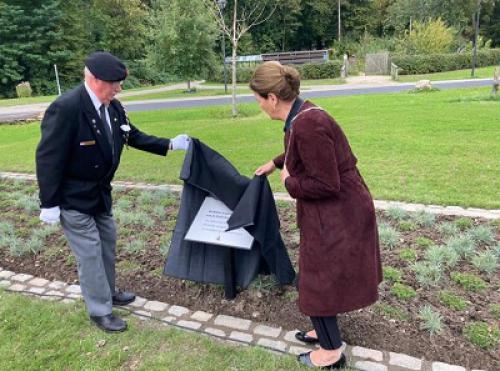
[[102, 112]]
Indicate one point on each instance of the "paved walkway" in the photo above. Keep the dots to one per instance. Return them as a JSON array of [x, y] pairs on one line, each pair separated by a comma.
[[354, 85], [379, 204], [234, 329]]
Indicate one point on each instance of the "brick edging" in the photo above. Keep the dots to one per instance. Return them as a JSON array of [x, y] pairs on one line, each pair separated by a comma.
[[379, 204]]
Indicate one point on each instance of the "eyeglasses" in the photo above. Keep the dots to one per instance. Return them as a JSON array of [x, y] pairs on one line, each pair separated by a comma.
[[117, 83]]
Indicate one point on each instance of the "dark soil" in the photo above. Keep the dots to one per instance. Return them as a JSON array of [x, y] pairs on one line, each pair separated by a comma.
[[391, 324]]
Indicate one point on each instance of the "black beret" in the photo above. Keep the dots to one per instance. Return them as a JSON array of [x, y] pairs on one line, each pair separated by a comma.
[[105, 66]]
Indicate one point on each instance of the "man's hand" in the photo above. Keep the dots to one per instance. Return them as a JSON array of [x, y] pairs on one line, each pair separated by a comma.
[[50, 215], [266, 169], [180, 142]]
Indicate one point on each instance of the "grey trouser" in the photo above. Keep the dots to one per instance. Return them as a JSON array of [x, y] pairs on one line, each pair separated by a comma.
[[92, 239]]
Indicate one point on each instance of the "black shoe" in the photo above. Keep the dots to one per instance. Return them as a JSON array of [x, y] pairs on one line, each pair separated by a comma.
[[302, 336], [305, 358], [109, 323], [123, 298]]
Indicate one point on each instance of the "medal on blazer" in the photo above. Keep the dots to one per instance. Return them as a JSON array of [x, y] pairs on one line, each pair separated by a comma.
[[125, 128]]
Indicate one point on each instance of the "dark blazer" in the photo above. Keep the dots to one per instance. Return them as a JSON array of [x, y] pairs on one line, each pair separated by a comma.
[[75, 162], [206, 173], [339, 256]]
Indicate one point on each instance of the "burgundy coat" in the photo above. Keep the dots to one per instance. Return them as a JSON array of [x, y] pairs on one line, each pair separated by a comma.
[[339, 257]]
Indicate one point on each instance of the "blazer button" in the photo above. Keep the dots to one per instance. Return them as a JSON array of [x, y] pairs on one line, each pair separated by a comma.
[[96, 166]]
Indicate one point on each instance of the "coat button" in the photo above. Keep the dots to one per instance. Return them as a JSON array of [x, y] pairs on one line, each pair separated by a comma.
[[96, 166]]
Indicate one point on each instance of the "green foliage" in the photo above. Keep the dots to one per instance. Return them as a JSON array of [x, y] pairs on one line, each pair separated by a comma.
[[135, 245], [264, 284], [431, 37], [390, 311], [464, 223], [495, 311], [430, 63], [183, 36], [403, 292], [464, 246], [486, 261], [396, 213], [469, 281], [424, 242], [388, 236], [424, 219], [481, 234], [28, 203], [427, 273], [406, 226], [432, 319], [442, 255], [480, 334], [408, 255], [448, 229], [392, 274], [452, 301]]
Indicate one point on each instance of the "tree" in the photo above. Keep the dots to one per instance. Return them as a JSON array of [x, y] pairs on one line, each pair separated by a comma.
[[183, 37], [119, 26], [245, 15], [430, 37]]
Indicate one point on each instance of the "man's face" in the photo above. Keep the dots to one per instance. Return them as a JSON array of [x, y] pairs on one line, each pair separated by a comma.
[[106, 90]]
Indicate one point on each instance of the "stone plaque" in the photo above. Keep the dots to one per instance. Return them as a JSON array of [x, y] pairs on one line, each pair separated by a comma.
[[210, 224]]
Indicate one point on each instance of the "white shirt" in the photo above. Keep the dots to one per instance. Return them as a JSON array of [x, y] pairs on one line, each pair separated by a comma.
[[97, 104]]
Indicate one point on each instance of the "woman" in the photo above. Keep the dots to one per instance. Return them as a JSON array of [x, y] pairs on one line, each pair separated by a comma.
[[339, 257]]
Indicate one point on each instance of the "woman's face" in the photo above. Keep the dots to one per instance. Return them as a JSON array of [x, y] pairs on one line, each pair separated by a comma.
[[268, 105]]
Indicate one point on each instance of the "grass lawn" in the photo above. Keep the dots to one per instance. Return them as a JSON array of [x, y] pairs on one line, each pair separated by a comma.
[[480, 73], [30, 100], [433, 148], [40, 335]]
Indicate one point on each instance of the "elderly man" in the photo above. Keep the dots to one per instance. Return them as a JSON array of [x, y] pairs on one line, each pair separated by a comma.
[[83, 134]]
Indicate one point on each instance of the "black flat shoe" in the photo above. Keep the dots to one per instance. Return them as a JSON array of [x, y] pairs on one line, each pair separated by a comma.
[[109, 323], [123, 298], [302, 336], [305, 358]]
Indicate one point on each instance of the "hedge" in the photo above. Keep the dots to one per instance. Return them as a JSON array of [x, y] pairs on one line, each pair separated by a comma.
[[308, 71], [421, 64]]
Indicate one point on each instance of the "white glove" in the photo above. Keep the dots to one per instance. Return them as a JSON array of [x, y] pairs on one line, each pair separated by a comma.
[[50, 215], [180, 142]]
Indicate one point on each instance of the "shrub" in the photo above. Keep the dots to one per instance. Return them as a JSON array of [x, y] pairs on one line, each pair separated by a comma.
[[388, 236], [469, 281], [464, 223], [430, 63], [451, 257], [403, 292], [23, 90], [409, 255], [391, 312], [392, 274], [428, 274], [478, 333], [452, 301], [495, 311], [424, 219], [428, 38], [448, 229], [396, 213], [432, 319], [481, 234], [424, 242], [464, 246], [435, 255], [406, 226], [485, 261]]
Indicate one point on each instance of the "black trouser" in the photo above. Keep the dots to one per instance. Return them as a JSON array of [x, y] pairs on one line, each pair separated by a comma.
[[327, 331]]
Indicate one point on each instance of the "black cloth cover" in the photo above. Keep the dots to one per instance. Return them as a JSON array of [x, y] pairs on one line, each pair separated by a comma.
[[206, 173]]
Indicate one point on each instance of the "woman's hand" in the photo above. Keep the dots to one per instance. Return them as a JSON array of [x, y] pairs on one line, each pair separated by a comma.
[[284, 174], [266, 169]]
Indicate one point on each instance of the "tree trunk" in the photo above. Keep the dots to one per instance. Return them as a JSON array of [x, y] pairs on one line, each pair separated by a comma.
[[189, 86], [233, 61]]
